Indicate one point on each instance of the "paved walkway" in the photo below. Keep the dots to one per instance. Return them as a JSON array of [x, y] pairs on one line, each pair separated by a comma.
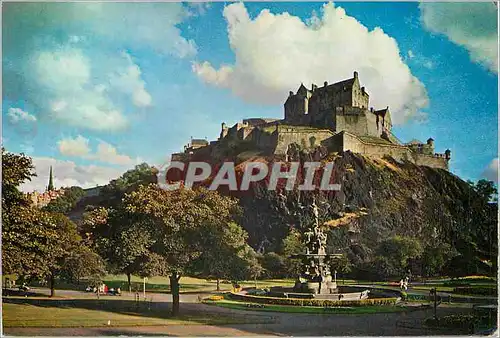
[[282, 324]]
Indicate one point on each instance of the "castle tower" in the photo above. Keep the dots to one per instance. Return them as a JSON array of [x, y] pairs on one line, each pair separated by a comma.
[[50, 187]]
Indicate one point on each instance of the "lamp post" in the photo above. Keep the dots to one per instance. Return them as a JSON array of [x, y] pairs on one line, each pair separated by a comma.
[[144, 287]]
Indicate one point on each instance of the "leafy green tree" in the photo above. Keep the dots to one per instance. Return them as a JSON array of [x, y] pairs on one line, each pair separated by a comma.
[[28, 234], [69, 258], [142, 174], [228, 259], [434, 258], [65, 203], [292, 245], [121, 240], [397, 252], [341, 265], [485, 189], [168, 225], [274, 265], [81, 263]]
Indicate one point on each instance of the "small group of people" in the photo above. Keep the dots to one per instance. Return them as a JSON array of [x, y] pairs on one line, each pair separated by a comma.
[[403, 283], [103, 289]]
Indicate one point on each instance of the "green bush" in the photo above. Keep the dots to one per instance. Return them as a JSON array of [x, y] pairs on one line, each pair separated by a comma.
[[313, 302], [481, 290], [460, 321]]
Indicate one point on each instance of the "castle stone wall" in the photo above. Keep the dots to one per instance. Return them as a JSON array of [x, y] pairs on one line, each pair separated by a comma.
[[375, 150], [431, 161], [305, 137]]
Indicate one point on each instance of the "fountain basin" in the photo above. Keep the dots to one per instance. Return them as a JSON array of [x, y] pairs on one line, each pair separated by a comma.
[[357, 296]]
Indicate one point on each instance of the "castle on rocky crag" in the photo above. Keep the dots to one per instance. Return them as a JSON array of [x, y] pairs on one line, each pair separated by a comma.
[[332, 118]]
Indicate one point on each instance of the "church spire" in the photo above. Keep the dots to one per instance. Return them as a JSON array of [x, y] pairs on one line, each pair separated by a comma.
[[50, 187]]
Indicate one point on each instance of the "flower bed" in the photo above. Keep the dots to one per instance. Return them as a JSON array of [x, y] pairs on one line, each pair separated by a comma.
[[215, 298], [312, 302]]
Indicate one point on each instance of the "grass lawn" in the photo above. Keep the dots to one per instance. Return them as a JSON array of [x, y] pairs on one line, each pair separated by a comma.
[[231, 304], [93, 313], [187, 284]]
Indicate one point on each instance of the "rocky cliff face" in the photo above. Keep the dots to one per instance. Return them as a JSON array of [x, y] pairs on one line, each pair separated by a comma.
[[379, 199]]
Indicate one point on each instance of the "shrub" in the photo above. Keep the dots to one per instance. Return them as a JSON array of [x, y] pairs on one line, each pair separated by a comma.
[[460, 321], [404, 295], [313, 302], [482, 290]]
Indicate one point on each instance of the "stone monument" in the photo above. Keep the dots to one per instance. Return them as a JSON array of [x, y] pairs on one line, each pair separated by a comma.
[[315, 277]]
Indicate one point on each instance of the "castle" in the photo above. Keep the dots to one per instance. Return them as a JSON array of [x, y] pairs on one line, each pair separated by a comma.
[[331, 118]]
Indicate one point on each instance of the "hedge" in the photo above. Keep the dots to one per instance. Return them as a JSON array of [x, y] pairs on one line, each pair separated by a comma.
[[312, 302], [483, 291]]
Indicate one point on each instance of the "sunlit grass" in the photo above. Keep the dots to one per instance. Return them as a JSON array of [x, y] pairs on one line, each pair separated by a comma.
[[82, 313]]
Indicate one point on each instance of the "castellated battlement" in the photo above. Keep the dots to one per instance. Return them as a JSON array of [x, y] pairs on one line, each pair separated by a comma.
[[336, 117]]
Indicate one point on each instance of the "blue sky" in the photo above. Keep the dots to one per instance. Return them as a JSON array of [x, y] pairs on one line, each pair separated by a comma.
[[95, 88]]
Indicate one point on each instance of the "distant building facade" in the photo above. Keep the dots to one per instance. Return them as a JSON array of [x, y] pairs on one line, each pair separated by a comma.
[[42, 199]]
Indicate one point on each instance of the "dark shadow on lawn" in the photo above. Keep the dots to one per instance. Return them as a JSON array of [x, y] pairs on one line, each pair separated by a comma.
[[118, 332], [160, 309]]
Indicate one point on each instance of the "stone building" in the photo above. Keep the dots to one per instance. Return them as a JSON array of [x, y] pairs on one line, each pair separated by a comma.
[[335, 116], [51, 193]]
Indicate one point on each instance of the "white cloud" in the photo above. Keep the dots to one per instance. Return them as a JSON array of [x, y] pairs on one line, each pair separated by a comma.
[[128, 80], [109, 154], [471, 25], [275, 53], [68, 76], [16, 115], [78, 146], [64, 76], [198, 8], [491, 171], [67, 173], [80, 93], [106, 153]]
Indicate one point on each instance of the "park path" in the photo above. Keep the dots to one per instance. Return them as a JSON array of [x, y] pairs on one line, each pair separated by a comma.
[[281, 324]]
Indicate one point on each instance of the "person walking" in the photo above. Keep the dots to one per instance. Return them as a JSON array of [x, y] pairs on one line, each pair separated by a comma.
[[401, 284]]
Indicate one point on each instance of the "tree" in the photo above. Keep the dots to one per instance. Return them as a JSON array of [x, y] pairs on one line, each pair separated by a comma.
[[486, 190], [434, 258], [142, 174], [229, 257], [65, 203], [81, 263], [28, 234], [253, 268], [122, 241], [170, 227], [292, 245], [341, 265], [273, 264], [397, 252], [69, 258]]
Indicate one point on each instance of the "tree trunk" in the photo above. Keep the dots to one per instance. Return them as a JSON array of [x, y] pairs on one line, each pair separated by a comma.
[[52, 285], [129, 283], [218, 284], [174, 290]]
